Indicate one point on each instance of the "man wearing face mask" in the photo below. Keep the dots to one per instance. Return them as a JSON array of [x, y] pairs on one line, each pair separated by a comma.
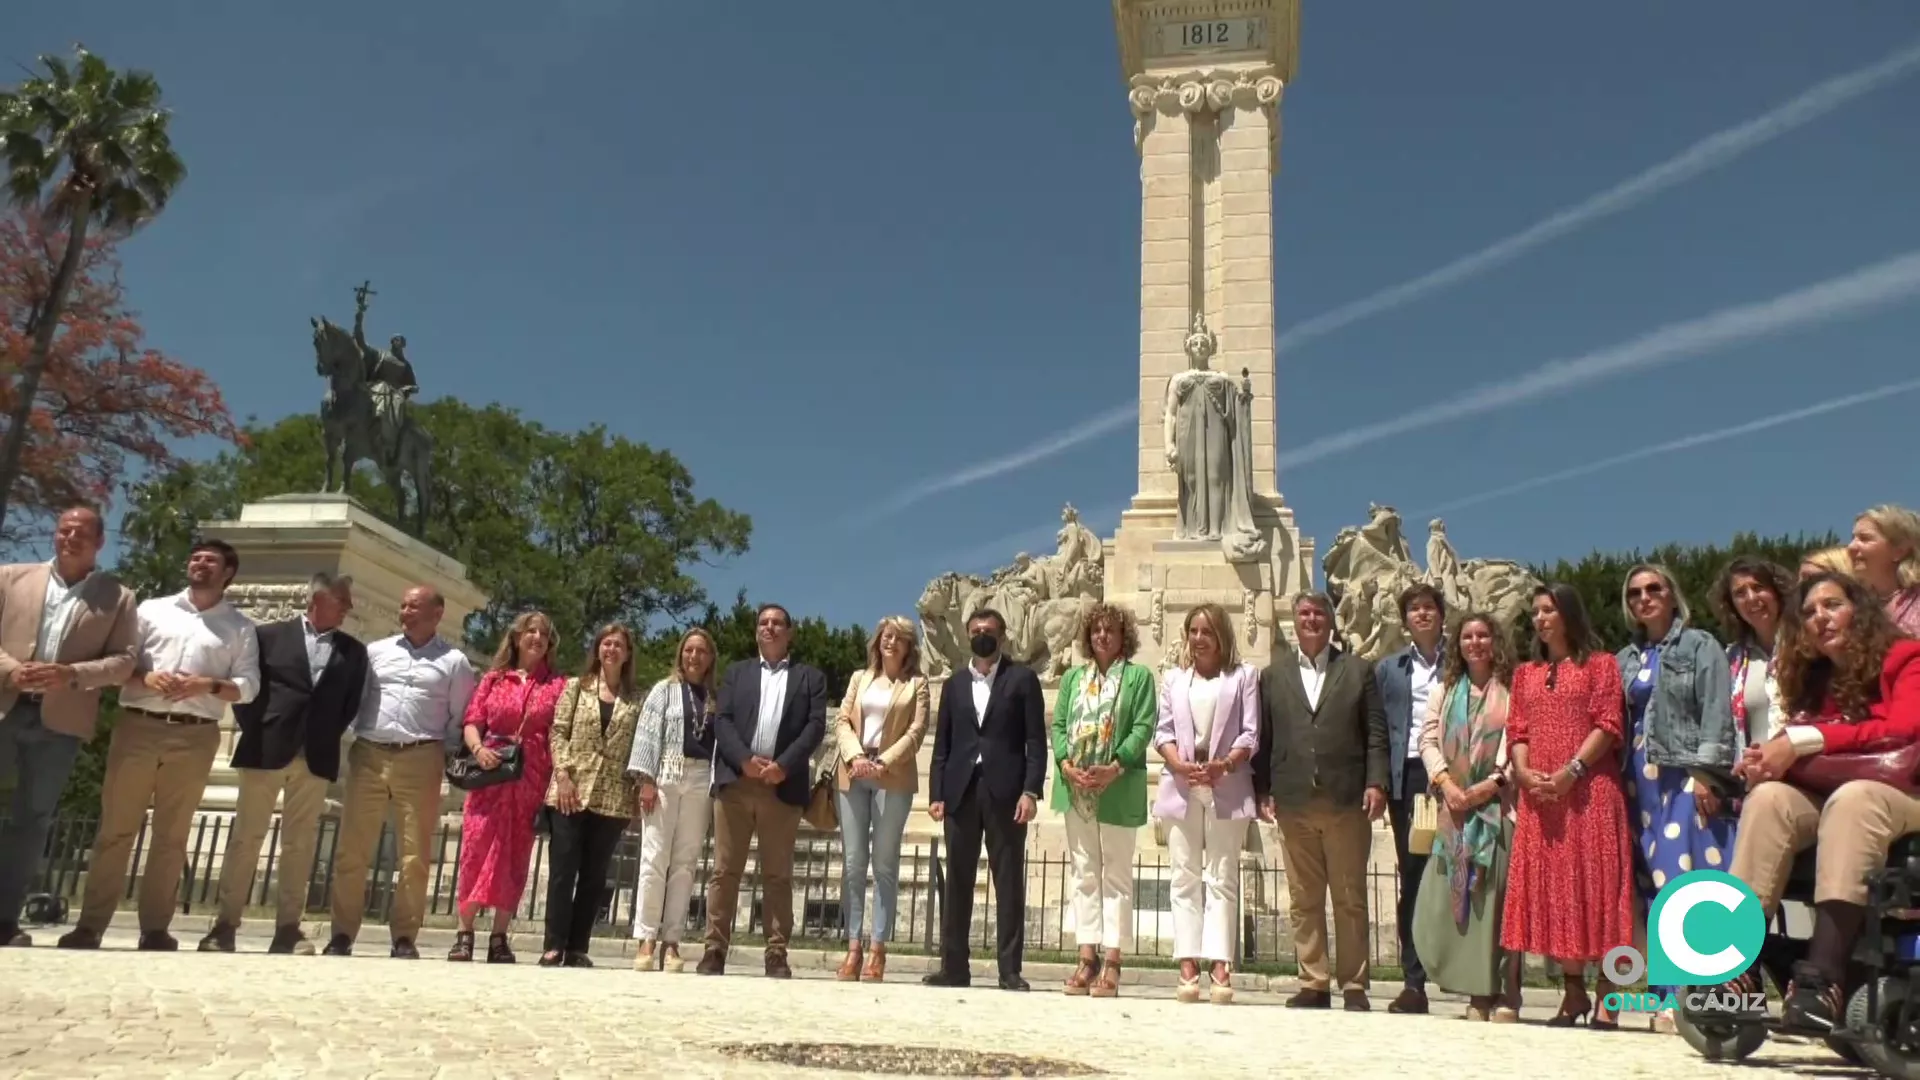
[[989, 764]]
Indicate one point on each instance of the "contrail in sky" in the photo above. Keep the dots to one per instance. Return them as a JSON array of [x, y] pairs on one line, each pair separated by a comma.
[[1691, 441], [1711, 152], [1708, 153], [1873, 286], [1111, 420]]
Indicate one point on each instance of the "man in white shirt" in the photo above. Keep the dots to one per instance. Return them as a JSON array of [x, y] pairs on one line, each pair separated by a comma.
[[1321, 706], [197, 656], [417, 689], [67, 630], [1408, 681]]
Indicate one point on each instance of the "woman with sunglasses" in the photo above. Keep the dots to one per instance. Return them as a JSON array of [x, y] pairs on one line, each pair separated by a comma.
[[1682, 745]]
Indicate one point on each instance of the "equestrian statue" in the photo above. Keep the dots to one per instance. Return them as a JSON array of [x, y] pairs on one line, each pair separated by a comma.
[[367, 413]]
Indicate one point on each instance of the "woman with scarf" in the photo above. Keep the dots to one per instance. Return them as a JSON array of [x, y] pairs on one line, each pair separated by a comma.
[[672, 768], [1102, 722], [1463, 743]]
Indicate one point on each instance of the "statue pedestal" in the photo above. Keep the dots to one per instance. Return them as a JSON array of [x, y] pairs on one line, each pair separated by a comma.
[[284, 540]]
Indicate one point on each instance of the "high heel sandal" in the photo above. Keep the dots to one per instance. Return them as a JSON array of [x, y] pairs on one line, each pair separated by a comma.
[[850, 966], [1188, 991], [672, 963], [1478, 1009], [1082, 978], [1108, 984], [462, 951], [498, 950], [1567, 1016], [1220, 993], [1596, 1021], [876, 963]]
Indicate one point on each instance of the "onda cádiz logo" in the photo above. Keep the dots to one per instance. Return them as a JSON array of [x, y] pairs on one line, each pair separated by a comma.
[[1705, 927]]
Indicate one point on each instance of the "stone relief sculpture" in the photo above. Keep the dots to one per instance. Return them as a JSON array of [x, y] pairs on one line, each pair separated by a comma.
[[1207, 423], [1044, 600], [367, 412], [1368, 567]]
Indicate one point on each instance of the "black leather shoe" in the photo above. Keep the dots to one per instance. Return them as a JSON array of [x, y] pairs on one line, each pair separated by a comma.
[[579, 960], [12, 937], [157, 941], [290, 941], [1014, 983], [338, 945], [79, 938], [218, 939], [403, 949], [943, 977], [1412, 1000], [553, 958]]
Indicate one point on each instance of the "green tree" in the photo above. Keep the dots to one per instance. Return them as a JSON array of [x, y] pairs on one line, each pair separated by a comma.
[[1600, 576], [837, 652], [587, 527], [106, 129]]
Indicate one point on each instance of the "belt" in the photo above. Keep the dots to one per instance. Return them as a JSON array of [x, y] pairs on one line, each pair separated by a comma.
[[378, 745], [176, 718]]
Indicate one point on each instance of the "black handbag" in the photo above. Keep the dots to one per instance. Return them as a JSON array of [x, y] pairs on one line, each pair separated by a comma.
[[464, 771]]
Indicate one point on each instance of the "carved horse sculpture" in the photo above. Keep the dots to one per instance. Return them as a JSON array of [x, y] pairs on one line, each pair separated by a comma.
[[353, 433]]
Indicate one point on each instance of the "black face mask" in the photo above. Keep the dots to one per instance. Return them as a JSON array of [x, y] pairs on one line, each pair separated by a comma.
[[985, 645]]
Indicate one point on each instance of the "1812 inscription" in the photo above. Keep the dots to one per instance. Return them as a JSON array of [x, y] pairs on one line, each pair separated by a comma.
[[1206, 36]]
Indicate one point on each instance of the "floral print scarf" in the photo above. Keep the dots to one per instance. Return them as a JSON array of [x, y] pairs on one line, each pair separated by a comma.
[[1090, 726], [1471, 727]]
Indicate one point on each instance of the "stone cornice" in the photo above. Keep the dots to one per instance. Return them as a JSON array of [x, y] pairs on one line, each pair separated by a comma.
[[1204, 91]]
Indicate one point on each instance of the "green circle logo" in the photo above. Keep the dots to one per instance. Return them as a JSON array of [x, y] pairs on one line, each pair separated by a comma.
[[1705, 927]]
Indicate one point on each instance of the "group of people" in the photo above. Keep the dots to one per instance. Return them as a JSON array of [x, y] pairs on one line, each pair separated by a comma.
[[1567, 789]]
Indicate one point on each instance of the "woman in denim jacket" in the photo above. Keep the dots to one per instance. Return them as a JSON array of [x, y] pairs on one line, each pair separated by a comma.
[[1682, 752]]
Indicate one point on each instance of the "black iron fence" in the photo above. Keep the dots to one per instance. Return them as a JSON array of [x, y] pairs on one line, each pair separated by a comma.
[[1266, 936]]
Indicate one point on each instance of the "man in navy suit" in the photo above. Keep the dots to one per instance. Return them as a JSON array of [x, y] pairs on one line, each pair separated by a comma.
[[769, 720], [989, 764], [1408, 679]]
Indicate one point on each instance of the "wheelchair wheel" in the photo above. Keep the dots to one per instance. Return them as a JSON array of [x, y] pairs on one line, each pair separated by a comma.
[[1719, 1039], [1892, 1054]]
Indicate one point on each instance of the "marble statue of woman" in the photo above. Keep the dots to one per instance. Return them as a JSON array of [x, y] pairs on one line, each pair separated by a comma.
[[1207, 424]]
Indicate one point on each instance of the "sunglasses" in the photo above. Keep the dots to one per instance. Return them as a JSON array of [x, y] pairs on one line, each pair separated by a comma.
[[1650, 592]]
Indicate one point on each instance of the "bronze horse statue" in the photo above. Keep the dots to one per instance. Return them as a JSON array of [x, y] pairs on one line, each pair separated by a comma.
[[353, 433]]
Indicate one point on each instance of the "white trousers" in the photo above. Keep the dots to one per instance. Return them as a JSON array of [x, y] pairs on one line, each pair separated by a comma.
[[1100, 858], [671, 839], [1205, 852]]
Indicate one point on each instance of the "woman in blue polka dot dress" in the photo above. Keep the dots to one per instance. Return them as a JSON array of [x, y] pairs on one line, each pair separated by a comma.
[[1683, 742]]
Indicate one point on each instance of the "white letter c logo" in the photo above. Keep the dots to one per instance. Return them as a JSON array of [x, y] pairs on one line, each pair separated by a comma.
[[1673, 923]]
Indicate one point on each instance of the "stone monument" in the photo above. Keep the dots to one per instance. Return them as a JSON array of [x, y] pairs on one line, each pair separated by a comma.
[[1207, 522], [1368, 567], [284, 540]]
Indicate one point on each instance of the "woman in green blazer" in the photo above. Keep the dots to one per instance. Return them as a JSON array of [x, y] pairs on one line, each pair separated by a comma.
[[1102, 722]]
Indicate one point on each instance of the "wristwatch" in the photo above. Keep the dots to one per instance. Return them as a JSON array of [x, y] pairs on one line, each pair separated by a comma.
[[1578, 768]]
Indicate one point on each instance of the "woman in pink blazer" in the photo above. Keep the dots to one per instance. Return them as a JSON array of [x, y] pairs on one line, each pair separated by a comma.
[[1208, 731]]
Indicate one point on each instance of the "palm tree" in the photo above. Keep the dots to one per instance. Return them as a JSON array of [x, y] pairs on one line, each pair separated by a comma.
[[109, 132]]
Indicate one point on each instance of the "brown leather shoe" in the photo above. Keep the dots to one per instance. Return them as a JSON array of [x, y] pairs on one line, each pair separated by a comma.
[[850, 967], [777, 966], [876, 963], [1356, 1001], [157, 941], [712, 962], [1310, 999], [1412, 1001]]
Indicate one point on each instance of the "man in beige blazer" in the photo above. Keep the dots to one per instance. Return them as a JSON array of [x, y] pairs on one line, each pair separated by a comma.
[[66, 630]]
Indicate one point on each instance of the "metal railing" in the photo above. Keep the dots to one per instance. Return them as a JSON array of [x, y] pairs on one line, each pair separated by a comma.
[[1266, 935]]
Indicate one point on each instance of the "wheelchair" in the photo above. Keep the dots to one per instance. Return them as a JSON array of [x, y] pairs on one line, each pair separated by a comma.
[[1881, 1029]]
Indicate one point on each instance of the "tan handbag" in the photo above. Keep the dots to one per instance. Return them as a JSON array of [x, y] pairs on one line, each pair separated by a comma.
[[823, 809], [1423, 826]]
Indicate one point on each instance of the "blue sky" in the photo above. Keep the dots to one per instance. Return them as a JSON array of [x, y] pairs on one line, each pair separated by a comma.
[[830, 253]]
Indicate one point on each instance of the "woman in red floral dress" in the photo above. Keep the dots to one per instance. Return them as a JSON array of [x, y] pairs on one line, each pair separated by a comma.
[[513, 703], [1569, 883]]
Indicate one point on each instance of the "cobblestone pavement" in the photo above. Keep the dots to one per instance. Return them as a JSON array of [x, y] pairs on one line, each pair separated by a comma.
[[124, 1014]]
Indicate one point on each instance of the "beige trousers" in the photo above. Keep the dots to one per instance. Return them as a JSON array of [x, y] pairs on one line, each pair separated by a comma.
[[1854, 827], [306, 799], [746, 810], [378, 778], [149, 763], [1326, 851]]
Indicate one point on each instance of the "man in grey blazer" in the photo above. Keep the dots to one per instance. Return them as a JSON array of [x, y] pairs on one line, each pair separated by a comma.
[[1408, 680], [1321, 773]]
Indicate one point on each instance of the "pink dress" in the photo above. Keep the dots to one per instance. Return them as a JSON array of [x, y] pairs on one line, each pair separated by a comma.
[[1570, 892], [496, 829]]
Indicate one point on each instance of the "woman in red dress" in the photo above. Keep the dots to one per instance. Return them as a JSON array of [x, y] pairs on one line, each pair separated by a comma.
[[1569, 883], [514, 703]]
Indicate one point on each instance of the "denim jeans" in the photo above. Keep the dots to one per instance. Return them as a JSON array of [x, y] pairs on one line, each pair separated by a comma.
[[872, 821], [39, 760]]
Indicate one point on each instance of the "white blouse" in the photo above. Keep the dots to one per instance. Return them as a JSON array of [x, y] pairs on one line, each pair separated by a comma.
[[873, 713], [1203, 700]]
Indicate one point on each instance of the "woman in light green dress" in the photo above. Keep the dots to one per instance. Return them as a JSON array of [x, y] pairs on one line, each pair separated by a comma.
[[1463, 742]]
